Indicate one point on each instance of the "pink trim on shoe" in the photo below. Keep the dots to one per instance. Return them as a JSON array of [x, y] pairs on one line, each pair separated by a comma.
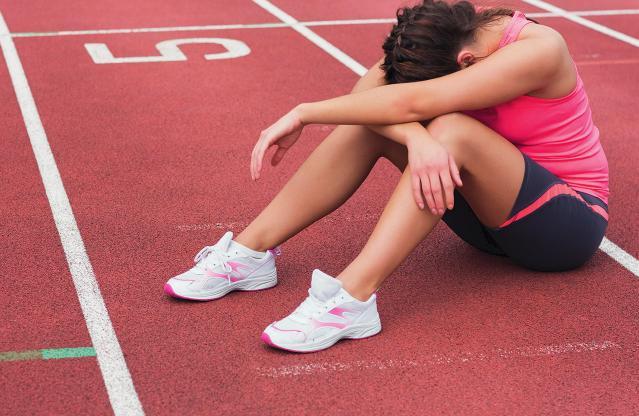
[[339, 312], [211, 273], [319, 324], [268, 341], [288, 330], [169, 291]]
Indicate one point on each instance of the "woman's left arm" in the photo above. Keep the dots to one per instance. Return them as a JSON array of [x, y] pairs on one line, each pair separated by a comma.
[[518, 69]]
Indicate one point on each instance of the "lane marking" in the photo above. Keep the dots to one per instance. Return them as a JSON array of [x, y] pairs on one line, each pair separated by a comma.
[[149, 30], [169, 51], [117, 379], [620, 255], [438, 359], [584, 22], [339, 22], [48, 354], [319, 41]]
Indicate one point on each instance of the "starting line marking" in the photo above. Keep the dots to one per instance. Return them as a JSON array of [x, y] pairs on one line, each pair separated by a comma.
[[436, 359], [48, 354], [117, 379], [618, 12], [169, 51]]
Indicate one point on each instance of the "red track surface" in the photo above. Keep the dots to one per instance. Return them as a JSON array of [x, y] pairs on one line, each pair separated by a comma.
[[154, 155]]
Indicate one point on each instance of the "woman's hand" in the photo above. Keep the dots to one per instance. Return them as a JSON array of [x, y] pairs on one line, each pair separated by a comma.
[[434, 173], [283, 134]]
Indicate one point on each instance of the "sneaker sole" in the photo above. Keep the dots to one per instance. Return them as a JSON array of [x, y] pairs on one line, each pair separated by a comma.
[[247, 285], [360, 331]]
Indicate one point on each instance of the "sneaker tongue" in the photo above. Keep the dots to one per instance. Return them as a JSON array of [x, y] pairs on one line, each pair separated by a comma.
[[224, 242], [323, 286]]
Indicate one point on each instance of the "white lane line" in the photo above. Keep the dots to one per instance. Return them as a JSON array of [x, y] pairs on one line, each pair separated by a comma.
[[360, 70], [149, 30], [436, 359], [122, 394], [618, 12], [319, 41], [620, 255], [584, 22]]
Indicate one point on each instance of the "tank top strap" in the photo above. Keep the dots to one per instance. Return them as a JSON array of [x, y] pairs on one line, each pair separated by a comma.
[[518, 22]]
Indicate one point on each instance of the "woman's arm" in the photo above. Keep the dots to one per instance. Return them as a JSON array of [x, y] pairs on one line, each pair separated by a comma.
[[517, 69], [399, 133]]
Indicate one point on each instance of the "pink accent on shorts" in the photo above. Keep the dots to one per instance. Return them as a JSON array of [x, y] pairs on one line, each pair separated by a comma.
[[552, 192], [558, 133]]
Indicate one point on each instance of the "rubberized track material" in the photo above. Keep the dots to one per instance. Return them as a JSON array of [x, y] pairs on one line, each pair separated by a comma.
[[143, 150]]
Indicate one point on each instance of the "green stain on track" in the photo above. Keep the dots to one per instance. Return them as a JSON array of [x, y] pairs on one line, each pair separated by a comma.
[[47, 354], [68, 353]]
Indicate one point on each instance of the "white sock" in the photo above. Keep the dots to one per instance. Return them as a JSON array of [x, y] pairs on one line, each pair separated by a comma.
[[247, 251]]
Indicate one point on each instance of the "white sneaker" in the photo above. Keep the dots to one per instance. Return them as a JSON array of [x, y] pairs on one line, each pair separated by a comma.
[[328, 314], [222, 268]]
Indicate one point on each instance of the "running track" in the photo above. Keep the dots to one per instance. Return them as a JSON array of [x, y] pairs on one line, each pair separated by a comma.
[[153, 158]]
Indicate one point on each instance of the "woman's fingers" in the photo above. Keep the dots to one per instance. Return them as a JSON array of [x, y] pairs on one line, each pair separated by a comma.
[[438, 194], [417, 191], [253, 161], [454, 171], [278, 155], [261, 148], [428, 193], [449, 188]]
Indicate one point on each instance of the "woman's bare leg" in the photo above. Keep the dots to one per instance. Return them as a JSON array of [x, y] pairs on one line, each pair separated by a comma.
[[330, 175], [492, 170]]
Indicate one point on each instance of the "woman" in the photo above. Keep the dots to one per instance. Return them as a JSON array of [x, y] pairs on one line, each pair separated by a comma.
[[484, 112]]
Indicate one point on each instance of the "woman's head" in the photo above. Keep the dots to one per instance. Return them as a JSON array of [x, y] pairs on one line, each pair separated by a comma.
[[427, 40]]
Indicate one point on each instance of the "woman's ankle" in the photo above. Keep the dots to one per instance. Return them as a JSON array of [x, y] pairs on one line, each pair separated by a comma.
[[358, 289], [251, 242]]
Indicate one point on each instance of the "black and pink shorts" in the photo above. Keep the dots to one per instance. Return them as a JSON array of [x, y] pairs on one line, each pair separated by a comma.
[[550, 228]]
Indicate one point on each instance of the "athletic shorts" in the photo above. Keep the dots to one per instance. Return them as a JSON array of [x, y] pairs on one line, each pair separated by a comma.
[[550, 228]]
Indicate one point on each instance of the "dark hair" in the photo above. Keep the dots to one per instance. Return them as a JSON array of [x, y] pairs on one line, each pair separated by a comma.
[[427, 38]]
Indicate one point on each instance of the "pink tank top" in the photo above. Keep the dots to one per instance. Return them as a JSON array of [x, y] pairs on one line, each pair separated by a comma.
[[556, 133]]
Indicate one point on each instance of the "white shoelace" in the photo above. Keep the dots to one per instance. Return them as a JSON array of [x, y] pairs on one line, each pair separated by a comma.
[[308, 309], [202, 255]]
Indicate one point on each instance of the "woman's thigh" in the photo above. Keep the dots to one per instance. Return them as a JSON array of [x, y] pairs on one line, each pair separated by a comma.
[[492, 168]]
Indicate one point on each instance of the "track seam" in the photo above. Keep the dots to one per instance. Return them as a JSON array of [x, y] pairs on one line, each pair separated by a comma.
[[117, 379], [615, 252]]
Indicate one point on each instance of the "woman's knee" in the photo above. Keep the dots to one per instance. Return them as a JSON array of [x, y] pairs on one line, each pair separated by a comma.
[[459, 134], [452, 128]]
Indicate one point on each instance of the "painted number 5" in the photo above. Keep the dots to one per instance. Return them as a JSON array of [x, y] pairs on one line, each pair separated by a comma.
[[169, 51]]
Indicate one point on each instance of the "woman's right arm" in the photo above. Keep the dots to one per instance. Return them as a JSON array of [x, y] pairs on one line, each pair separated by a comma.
[[399, 133], [434, 173]]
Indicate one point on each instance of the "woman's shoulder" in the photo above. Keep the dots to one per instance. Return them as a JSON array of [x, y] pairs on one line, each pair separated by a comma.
[[553, 49], [549, 37]]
